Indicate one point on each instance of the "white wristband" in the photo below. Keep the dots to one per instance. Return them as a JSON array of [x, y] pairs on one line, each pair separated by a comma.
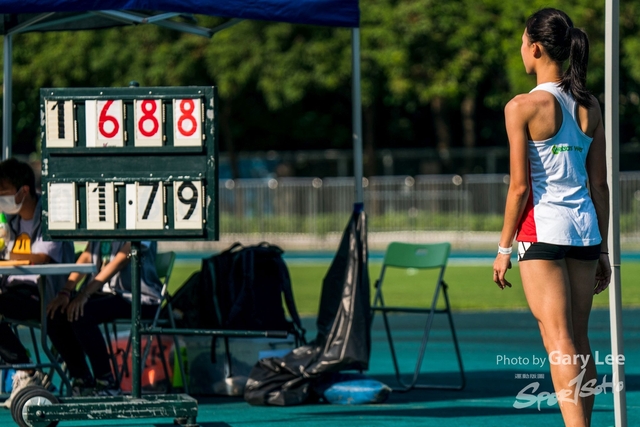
[[505, 251]]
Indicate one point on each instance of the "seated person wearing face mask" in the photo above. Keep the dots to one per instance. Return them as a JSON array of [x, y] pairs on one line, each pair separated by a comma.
[[19, 296]]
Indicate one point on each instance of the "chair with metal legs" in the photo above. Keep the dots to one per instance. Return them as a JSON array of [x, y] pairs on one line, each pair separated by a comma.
[[50, 367], [54, 364], [164, 267], [423, 257]]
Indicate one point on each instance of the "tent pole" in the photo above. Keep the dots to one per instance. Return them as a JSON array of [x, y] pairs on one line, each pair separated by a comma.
[[356, 114], [6, 99], [612, 134]]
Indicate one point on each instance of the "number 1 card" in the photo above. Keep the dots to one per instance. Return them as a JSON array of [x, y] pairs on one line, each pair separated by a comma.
[[100, 206], [60, 124]]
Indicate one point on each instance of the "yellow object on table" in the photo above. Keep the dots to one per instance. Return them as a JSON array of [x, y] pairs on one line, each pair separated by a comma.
[[15, 262]]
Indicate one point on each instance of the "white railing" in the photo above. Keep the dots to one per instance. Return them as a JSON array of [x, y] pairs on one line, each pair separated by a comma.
[[313, 211]]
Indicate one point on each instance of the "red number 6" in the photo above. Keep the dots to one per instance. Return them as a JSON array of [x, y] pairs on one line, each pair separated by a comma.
[[104, 117]]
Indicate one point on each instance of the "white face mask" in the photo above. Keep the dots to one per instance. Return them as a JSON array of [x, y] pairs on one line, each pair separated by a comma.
[[8, 204]]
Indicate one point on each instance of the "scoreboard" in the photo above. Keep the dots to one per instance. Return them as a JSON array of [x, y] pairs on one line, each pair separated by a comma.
[[129, 163]]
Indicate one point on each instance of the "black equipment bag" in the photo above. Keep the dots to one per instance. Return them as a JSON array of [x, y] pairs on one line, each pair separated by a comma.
[[249, 284], [192, 305], [240, 288], [278, 381]]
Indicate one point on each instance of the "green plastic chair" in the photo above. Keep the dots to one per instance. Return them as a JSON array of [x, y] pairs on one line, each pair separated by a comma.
[[164, 266], [418, 256]]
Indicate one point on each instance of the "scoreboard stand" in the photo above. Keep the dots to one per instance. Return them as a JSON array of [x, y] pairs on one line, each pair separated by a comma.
[[127, 164]]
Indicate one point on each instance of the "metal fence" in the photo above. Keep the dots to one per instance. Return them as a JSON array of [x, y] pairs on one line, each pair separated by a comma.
[[288, 208]]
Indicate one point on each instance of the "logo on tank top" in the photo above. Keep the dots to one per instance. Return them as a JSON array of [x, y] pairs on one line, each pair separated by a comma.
[[557, 149]]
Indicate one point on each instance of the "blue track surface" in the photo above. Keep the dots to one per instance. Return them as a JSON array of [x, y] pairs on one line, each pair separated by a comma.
[[487, 341]]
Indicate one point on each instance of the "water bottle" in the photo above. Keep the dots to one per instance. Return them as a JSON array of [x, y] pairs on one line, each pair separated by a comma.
[[4, 231], [7, 380]]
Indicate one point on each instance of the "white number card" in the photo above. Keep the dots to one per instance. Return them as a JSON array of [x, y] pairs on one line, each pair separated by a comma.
[[62, 206], [145, 206], [187, 205], [105, 123], [100, 206], [59, 124], [187, 122], [148, 122]]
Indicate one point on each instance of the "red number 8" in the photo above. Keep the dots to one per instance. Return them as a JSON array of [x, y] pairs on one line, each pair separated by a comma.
[[148, 115], [104, 117], [187, 114]]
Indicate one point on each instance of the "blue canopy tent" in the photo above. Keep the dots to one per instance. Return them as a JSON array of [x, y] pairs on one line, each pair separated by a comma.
[[20, 16], [338, 13]]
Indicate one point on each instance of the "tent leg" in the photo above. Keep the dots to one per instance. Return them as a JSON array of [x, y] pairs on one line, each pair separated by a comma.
[[356, 103], [6, 100]]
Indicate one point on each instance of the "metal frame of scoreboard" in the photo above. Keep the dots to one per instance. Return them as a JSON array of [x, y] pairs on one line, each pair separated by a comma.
[[129, 163]]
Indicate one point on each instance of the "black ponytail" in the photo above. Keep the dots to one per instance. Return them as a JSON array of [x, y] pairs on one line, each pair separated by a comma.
[[574, 79], [554, 30]]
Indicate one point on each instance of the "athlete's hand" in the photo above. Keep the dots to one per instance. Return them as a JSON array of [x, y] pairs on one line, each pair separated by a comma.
[[603, 274], [500, 267]]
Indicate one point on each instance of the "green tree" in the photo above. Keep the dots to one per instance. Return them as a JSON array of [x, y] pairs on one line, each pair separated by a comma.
[[434, 73]]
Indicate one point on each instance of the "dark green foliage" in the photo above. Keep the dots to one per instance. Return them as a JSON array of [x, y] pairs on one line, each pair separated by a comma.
[[288, 87]]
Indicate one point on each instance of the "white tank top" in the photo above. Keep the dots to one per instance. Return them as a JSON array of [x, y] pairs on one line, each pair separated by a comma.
[[560, 210]]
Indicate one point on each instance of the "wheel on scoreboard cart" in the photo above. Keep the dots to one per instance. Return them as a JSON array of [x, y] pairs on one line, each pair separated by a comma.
[[18, 396], [31, 395]]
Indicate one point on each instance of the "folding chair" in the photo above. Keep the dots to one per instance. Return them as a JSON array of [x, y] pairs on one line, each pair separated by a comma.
[[164, 266], [54, 365], [418, 256]]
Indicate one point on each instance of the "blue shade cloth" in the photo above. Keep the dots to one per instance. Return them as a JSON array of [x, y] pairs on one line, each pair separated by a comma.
[[337, 13]]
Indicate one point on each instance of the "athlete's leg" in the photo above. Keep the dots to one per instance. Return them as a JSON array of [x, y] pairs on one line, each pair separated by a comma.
[[547, 289], [582, 281]]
